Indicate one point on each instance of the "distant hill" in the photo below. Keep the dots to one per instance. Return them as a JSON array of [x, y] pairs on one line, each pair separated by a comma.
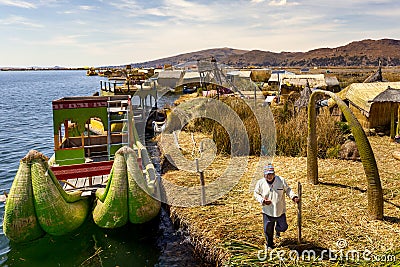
[[218, 53], [358, 53]]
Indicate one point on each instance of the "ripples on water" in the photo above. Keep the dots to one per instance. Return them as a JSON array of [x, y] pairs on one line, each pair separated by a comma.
[[25, 124]]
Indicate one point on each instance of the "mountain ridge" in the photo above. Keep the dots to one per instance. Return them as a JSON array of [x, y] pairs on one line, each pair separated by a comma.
[[366, 52]]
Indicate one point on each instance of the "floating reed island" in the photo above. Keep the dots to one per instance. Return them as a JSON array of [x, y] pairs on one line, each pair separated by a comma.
[[228, 231]]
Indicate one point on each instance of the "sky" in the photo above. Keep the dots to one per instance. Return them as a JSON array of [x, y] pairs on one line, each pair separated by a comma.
[[79, 33]]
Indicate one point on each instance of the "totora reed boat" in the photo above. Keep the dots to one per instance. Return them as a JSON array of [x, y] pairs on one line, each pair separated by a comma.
[[100, 168]]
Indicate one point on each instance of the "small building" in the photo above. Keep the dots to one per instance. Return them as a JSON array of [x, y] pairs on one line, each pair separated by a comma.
[[189, 78], [169, 78], [298, 82], [277, 75], [292, 84], [239, 75], [360, 99]]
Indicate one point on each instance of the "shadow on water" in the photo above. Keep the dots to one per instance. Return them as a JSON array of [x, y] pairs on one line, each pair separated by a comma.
[[90, 246], [175, 246]]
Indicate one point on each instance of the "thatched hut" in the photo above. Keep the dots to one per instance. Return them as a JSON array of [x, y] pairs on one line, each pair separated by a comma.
[[390, 96], [169, 78], [297, 82], [360, 98]]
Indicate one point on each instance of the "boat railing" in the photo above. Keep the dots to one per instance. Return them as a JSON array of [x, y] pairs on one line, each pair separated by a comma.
[[110, 86], [118, 87], [86, 176], [83, 170]]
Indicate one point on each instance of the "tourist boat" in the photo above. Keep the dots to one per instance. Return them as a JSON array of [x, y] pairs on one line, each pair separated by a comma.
[[91, 72], [100, 168]]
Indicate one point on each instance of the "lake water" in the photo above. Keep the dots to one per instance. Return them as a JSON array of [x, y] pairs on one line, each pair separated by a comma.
[[25, 124]]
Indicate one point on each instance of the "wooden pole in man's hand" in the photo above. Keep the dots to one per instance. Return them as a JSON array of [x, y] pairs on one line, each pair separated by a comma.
[[299, 190]]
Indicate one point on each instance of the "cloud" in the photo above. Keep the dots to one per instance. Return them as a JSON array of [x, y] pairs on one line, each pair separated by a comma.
[[178, 11], [21, 21], [256, 1], [65, 40], [389, 12], [77, 10], [124, 4], [87, 8], [282, 3], [16, 3]]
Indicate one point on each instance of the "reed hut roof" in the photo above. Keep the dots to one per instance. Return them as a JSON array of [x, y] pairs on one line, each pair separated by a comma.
[[170, 74], [361, 94], [280, 73], [193, 77], [376, 76], [169, 78], [240, 73], [389, 95], [314, 80]]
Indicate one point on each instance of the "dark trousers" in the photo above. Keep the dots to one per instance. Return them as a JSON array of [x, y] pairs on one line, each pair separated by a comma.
[[269, 225]]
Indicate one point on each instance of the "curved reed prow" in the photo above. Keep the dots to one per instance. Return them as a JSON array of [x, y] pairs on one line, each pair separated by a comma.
[[375, 195]]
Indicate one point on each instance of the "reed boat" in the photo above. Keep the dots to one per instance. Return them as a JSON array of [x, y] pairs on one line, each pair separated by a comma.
[[99, 168], [91, 72]]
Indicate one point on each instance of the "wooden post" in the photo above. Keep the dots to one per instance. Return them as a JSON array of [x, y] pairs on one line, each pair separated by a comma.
[[299, 192], [392, 122], [130, 124], [83, 139], [398, 120], [203, 191], [56, 142]]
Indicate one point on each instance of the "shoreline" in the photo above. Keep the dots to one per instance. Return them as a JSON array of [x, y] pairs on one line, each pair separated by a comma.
[[40, 69]]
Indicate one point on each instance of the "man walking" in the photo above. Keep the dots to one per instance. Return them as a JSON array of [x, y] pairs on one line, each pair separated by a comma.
[[270, 193]]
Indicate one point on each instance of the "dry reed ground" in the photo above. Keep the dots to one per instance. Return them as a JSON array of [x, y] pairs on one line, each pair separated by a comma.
[[230, 229]]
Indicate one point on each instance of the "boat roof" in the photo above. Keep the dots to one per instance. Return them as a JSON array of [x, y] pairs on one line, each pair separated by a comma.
[[82, 99], [79, 109]]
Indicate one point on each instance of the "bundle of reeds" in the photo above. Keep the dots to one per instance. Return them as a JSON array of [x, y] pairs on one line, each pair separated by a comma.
[[292, 135], [222, 138]]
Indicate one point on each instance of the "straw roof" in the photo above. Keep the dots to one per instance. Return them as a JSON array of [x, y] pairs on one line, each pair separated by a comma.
[[376, 76], [314, 80], [240, 73], [361, 94], [192, 77], [389, 95], [281, 74], [170, 74]]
